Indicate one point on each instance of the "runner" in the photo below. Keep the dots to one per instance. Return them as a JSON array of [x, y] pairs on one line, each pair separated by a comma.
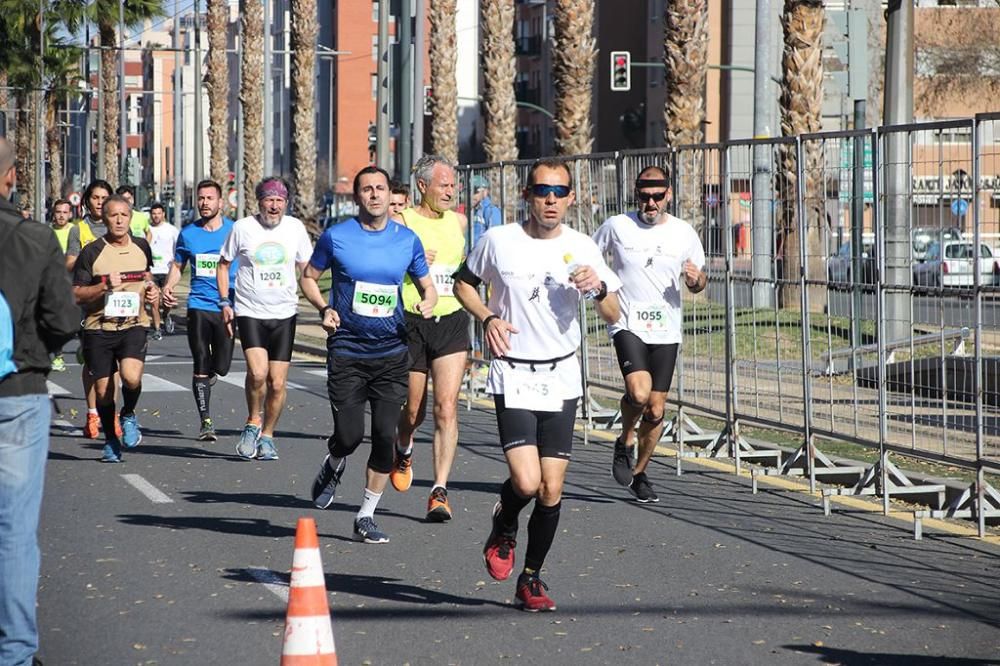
[[269, 247], [485, 214], [399, 199], [209, 338], [139, 225], [66, 233], [367, 358], [163, 243], [651, 251], [439, 346], [111, 280], [91, 227], [531, 325]]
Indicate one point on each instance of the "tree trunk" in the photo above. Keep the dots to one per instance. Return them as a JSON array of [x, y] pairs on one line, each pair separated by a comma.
[[685, 56], [217, 87], [444, 84], [4, 102], [573, 60], [53, 147], [305, 28], [25, 148], [109, 90], [499, 69], [801, 105], [251, 95]]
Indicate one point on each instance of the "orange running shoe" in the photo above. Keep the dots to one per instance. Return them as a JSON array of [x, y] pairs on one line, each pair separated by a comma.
[[438, 510], [401, 475], [118, 427], [92, 428]]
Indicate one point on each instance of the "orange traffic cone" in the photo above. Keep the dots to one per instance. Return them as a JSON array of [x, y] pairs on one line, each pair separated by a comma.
[[308, 630]]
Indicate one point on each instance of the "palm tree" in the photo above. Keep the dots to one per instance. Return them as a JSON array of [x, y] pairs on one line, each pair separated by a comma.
[[444, 84], [305, 28], [251, 96], [62, 72], [685, 55], [573, 56], [217, 87], [801, 105], [499, 69], [105, 13]]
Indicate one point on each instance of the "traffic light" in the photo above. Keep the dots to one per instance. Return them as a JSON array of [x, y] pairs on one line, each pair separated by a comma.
[[621, 71]]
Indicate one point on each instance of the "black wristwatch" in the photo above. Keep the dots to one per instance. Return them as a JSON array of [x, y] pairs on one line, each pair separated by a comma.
[[603, 293], [224, 303], [322, 311]]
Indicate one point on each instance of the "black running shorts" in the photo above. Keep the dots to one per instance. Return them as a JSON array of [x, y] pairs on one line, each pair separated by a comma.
[[551, 432], [274, 335], [635, 355], [433, 338], [353, 380], [210, 343], [103, 350]]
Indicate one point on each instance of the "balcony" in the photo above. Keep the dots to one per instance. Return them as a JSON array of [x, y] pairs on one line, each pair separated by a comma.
[[528, 46]]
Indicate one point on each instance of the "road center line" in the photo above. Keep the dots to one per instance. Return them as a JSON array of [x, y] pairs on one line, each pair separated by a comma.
[[272, 581], [152, 493]]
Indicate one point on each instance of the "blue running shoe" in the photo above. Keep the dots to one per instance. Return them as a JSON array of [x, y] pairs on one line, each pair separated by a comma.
[[112, 452], [367, 531], [265, 448], [324, 488], [247, 446], [131, 435]]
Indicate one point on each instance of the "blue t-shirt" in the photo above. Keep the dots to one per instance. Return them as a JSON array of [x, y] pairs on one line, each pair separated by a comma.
[[200, 248], [368, 268]]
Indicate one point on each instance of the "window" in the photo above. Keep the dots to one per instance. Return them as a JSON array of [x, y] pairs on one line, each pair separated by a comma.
[[375, 11], [374, 86]]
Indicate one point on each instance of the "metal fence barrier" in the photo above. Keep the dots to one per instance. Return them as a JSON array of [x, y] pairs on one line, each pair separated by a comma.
[[853, 297]]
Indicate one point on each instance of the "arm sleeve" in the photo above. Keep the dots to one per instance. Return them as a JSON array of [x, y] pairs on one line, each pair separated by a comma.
[[73, 241], [58, 315], [418, 261], [322, 254], [696, 253], [83, 271], [305, 248], [479, 262]]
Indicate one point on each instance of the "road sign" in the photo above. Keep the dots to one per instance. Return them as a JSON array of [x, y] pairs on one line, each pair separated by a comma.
[[959, 207], [233, 198], [75, 198]]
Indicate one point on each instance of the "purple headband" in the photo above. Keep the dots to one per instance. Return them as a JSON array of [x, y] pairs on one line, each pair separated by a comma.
[[271, 188]]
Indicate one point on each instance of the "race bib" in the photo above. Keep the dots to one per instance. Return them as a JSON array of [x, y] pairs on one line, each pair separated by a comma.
[[121, 304], [161, 264], [650, 316], [375, 300], [270, 277], [205, 265], [536, 390], [443, 280]]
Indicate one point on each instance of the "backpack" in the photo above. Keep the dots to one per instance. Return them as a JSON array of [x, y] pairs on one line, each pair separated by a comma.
[[7, 366]]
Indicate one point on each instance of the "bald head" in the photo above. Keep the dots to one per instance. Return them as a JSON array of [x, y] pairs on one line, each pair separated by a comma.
[[6, 168]]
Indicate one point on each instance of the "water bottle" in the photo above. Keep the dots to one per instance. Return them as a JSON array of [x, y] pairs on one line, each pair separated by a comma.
[[571, 268]]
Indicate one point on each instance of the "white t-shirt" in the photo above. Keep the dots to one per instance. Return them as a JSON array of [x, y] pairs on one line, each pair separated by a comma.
[[649, 259], [266, 286], [529, 286], [163, 244]]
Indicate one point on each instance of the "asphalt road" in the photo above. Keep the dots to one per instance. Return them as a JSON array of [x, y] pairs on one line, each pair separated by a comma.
[[710, 575]]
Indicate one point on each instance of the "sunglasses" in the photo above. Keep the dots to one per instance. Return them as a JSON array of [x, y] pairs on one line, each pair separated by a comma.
[[646, 196], [541, 190]]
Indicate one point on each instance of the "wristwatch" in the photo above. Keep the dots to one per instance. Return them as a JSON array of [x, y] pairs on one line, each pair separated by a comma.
[[224, 303]]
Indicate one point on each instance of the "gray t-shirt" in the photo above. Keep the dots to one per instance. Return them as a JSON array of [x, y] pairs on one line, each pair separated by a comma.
[[97, 228]]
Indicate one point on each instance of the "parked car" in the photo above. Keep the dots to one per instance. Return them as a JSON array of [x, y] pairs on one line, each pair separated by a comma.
[[840, 267], [923, 236], [950, 264]]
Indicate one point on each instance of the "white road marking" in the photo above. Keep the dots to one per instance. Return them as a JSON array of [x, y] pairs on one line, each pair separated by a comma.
[[67, 428], [152, 493], [239, 378], [56, 390], [154, 384], [318, 373], [270, 580]]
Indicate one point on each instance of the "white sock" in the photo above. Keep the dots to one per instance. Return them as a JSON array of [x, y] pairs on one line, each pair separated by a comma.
[[368, 504], [405, 451], [92, 410]]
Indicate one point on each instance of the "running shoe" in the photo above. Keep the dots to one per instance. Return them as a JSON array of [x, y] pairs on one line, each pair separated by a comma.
[[168, 325], [367, 531], [131, 435], [247, 446], [207, 432], [59, 364], [498, 554], [621, 463], [118, 427], [531, 594], [438, 510], [642, 490], [112, 452], [265, 448], [401, 475], [92, 428], [324, 488], [157, 335]]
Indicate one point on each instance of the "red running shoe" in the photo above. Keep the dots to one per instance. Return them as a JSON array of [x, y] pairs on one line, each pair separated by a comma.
[[531, 594], [498, 554]]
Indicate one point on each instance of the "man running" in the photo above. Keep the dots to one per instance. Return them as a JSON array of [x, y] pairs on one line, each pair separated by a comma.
[[399, 199], [367, 358], [139, 225], [270, 246], [651, 251], [485, 214], [210, 340], [163, 243], [66, 234], [111, 280], [535, 274], [437, 346]]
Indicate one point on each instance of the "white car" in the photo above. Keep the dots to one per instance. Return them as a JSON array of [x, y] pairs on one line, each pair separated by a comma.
[[950, 264]]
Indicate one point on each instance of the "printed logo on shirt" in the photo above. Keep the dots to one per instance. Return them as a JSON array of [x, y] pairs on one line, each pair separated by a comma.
[[269, 254], [535, 295]]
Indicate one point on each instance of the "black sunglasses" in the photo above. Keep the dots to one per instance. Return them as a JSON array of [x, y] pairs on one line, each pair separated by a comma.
[[542, 190], [646, 196]]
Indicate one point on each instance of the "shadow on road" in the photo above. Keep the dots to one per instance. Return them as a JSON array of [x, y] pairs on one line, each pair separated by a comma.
[[830, 655], [246, 526]]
